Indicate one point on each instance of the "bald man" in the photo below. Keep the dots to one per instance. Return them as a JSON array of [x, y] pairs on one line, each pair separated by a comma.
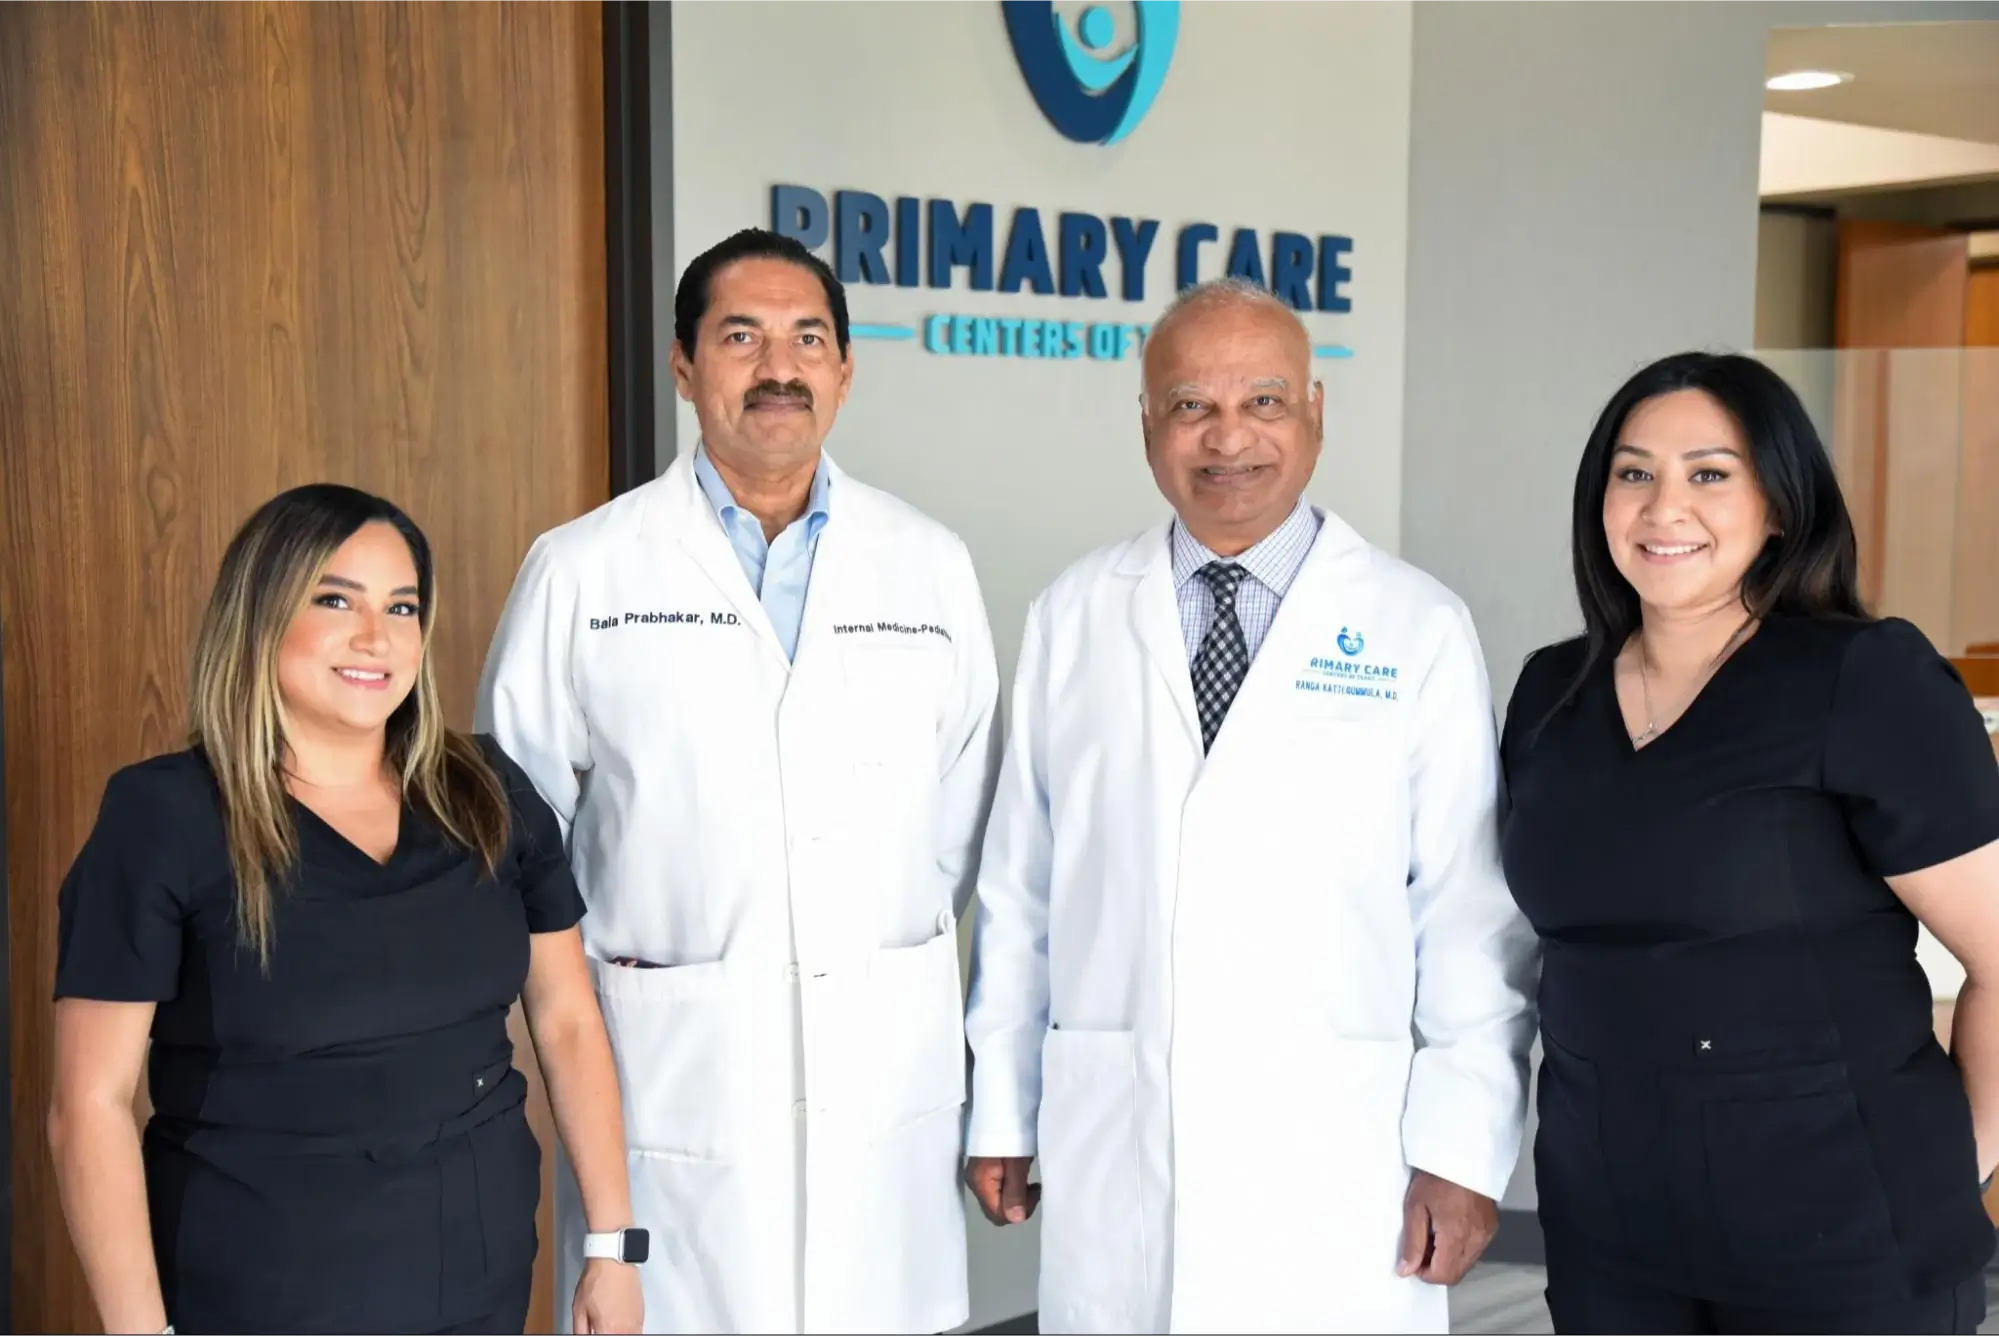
[[1247, 980]]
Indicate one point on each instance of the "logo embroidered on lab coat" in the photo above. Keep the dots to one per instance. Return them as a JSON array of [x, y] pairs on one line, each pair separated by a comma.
[[1347, 675]]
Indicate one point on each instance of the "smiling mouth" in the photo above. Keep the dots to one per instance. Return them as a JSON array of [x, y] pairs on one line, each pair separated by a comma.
[[363, 677], [1229, 475], [1670, 551]]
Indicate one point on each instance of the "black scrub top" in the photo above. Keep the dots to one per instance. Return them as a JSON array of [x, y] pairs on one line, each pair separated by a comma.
[[341, 1145], [1741, 1096]]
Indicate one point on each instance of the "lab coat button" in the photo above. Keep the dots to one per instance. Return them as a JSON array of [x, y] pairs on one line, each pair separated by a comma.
[[798, 1109], [791, 973]]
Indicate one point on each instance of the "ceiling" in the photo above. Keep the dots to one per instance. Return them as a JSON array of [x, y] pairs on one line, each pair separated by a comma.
[[1930, 78]]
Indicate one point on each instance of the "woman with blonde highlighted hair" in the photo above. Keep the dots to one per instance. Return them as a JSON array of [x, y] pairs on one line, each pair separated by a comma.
[[318, 916]]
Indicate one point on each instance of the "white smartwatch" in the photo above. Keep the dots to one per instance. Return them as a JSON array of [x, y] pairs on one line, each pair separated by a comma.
[[630, 1246]]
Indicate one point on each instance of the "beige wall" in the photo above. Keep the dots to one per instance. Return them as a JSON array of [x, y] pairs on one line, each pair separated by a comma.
[[1796, 255]]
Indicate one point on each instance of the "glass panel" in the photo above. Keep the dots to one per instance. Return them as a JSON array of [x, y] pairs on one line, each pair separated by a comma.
[[1914, 437]]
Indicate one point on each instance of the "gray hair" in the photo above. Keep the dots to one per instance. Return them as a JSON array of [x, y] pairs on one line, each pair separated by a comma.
[[1214, 292]]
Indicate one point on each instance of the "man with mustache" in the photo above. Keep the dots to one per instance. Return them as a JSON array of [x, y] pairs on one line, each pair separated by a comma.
[[761, 696]]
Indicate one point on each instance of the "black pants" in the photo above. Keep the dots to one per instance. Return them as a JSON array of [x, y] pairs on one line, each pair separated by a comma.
[[510, 1317], [1584, 1299]]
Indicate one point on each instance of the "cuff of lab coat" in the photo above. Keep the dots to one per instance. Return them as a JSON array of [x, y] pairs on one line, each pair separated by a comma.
[[998, 1142], [1006, 1100], [1452, 1129]]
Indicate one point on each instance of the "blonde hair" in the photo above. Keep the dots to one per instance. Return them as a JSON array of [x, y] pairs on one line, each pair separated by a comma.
[[236, 713]]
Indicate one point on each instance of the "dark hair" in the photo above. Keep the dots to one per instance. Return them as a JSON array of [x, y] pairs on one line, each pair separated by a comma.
[[697, 281], [1808, 568]]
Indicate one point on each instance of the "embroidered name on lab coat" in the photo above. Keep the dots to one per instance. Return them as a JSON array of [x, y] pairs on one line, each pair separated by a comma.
[[888, 628], [1349, 677], [615, 620]]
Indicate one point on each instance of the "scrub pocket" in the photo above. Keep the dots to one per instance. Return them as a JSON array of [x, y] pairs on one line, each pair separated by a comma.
[[1789, 1165], [1571, 1172]]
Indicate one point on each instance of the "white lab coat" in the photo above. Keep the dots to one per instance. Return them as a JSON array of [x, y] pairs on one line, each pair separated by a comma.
[[1229, 1001], [796, 843]]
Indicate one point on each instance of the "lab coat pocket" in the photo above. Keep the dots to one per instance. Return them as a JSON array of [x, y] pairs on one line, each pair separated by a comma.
[[669, 1030], [1092, 1252], [919, 1029]]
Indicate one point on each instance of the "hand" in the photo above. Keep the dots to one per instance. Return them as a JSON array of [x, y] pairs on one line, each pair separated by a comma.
[[1444, 1229], [608, 1299], [1000, 1183]]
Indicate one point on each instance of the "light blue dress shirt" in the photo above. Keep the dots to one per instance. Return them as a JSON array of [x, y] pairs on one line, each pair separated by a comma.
[[1272, 565], [779, 572]]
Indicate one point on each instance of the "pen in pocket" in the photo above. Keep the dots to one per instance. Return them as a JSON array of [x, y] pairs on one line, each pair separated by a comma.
[[634, 963]]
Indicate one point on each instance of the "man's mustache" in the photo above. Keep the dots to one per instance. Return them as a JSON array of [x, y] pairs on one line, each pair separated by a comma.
[[770, 391]]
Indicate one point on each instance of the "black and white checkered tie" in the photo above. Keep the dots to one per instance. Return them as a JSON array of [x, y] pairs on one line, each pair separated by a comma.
[[1223, 659]]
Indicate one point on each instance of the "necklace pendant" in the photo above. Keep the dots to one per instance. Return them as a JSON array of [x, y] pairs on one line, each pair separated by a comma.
[[1640, 739]]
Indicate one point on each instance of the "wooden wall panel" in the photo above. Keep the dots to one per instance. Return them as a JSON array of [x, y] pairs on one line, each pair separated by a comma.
[[1981, 307], [1977, 597], [243, 247], [1899, 286], [1975, 565]]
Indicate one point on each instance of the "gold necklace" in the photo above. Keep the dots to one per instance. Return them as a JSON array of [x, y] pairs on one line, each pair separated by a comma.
[[1651, 729]]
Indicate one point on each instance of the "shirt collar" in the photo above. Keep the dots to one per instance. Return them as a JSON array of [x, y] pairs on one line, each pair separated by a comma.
[[1274, 562], [724, 501]]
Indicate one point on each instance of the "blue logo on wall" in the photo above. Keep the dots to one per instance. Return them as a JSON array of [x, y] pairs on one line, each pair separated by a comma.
[[1092, 95], [1092, 98], [1351, 642]]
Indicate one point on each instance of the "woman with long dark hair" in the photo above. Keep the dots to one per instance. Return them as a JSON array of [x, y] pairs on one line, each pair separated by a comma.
[[319, 916], [1730, 803]]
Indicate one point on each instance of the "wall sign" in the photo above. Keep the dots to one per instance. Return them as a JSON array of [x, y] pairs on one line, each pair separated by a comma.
[[1094, 98]]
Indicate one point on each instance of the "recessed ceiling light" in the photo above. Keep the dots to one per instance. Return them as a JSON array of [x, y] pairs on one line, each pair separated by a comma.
[[1805, 81]]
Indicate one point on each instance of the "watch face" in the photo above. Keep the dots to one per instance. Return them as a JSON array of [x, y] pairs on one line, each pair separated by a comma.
[[638, 1246]]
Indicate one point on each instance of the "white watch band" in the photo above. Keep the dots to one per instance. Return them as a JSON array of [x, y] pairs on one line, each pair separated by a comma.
[[611, 1245]]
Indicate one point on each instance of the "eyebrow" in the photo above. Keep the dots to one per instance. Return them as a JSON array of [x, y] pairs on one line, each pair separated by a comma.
[[1705, 452], [342, 582], [751, 322], [1263, 383]]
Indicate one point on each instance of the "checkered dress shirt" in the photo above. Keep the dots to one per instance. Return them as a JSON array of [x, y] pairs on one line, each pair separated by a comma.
[[1271, 565]]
